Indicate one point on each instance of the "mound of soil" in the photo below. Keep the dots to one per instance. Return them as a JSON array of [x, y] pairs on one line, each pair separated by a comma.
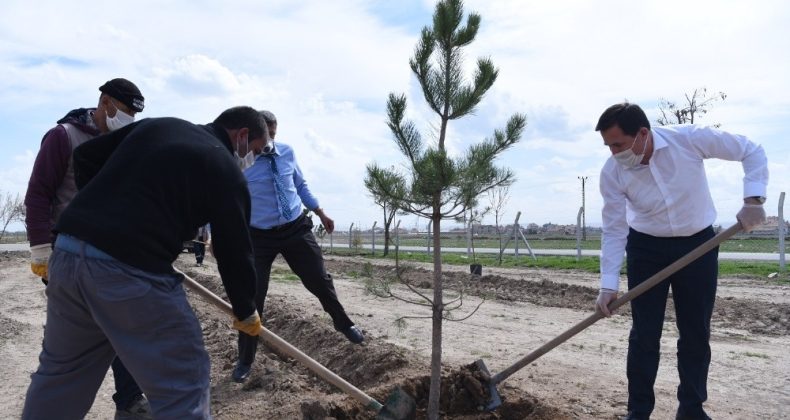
[[280, 387], [756, 317]]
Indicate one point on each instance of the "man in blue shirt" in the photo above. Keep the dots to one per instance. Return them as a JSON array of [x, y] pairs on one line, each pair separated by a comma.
[[278, 226]]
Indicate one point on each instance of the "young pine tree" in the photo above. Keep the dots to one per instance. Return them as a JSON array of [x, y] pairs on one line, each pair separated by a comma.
[[438, 186]]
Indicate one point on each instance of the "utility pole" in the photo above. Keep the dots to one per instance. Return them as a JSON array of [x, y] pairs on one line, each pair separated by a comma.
[[584, 209]]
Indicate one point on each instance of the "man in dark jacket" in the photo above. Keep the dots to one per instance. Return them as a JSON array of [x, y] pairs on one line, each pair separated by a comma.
[[144, 190], [51, 188]]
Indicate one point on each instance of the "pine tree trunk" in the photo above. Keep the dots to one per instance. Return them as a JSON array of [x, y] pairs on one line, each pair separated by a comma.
[[436, 336]]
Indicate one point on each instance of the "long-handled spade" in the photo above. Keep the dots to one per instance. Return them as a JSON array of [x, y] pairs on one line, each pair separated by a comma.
[[496, 400], [399, 404]]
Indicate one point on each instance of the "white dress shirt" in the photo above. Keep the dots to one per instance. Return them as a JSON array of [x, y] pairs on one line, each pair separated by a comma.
[[670, 196]]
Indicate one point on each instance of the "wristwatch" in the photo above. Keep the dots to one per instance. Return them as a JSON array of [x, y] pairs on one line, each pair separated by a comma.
[[759, 199]]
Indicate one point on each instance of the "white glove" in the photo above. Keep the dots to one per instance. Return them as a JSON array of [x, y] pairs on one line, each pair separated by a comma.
[[605, 297], [39, 258], [751, 216]]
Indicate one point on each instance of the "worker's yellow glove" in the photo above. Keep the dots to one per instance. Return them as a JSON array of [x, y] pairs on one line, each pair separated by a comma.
[[39, 258], [250, 325]]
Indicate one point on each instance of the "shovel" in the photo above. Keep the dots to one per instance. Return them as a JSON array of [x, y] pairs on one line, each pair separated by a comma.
[[399, 405], [496, 400]]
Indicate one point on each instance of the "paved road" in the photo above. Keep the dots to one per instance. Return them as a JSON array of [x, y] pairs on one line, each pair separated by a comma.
[[14, 247], [749, 256]]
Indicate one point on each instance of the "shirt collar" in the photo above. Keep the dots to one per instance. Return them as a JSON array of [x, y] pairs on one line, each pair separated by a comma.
[[658, 141]]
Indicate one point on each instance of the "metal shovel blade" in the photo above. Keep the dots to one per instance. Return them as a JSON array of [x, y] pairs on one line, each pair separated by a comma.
[[495, 399], [399, 406]]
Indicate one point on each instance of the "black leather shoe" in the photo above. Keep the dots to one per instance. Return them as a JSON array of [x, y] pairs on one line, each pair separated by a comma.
[[680, 415], [241, 372], [354, 335]]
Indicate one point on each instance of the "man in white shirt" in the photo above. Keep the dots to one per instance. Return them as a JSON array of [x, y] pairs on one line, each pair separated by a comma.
[[657, 208]]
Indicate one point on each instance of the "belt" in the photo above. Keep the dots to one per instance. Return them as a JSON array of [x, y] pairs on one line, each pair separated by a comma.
[[284, 226], [77, 246]]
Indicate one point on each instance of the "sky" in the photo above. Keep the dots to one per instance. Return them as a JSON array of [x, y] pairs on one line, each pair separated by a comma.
[[326, 68]]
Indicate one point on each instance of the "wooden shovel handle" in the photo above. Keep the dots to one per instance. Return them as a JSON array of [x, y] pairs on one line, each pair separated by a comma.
[[283, 347], [622, 300]]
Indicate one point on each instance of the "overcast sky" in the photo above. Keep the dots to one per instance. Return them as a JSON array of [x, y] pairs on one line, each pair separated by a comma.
[[325, 69]]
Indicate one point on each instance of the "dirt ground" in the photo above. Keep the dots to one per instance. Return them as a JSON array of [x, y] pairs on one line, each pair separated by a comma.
[[584, 378]]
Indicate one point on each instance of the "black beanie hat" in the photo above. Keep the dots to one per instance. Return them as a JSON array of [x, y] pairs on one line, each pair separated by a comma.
[[125, 92]]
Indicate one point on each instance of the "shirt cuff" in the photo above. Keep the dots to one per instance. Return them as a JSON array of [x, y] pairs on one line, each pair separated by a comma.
[[754, 189], [610, 281]]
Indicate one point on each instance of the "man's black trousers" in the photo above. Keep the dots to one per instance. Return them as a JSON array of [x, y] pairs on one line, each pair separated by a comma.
[[694, 293], [297, 244]]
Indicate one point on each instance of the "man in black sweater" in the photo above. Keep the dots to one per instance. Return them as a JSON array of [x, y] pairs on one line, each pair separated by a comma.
[[144, 190]]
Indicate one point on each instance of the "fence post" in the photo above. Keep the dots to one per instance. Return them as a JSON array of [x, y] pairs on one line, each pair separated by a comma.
[[468, 224], [579, 234], [350, 231], [782, 231], [516, 231], [397, 237], [430, 223], [373, 230]]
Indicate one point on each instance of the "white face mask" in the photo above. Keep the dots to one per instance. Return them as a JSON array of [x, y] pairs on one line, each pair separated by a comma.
[[120, 120], [246, 161], [249, 157], [628, 158]]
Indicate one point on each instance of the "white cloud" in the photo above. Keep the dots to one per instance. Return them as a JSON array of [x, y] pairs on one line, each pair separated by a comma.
[[326, 68], [13, 179]]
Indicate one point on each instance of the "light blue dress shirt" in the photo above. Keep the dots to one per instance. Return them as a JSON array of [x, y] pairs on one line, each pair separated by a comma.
[[260, 181]]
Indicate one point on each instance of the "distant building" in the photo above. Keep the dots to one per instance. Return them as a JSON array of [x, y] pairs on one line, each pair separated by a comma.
[[771, 226]]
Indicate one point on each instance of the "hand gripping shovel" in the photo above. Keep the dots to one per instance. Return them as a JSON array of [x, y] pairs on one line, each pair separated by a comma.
[[495, 399], [399, 405]]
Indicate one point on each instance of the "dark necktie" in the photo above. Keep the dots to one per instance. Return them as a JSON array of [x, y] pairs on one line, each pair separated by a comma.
[[279, 189]]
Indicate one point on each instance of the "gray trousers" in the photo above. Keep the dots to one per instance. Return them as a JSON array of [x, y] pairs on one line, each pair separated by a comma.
[[97, 307]]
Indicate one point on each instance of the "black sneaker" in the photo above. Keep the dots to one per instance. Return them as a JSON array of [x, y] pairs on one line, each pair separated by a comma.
[[139, 409], [354, 335], [241, 372]]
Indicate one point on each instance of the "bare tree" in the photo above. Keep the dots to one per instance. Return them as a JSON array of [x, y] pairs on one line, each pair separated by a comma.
[[389, 205], [696, 105], [497, 200], [11, 209], [473, 216]]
